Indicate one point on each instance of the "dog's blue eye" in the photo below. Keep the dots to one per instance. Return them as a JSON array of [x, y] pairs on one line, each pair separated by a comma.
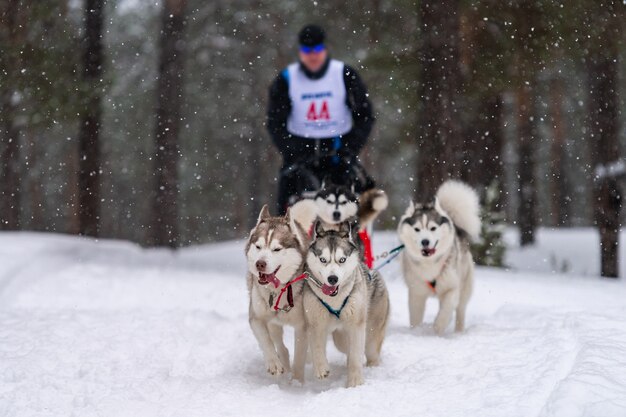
[[277, 249], [432, 229], [329, 201], [342, 260], [343, 203], [417, 229], [323, 260]]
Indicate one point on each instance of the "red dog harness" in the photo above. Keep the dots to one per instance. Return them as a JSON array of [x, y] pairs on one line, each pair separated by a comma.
[[287, 288]]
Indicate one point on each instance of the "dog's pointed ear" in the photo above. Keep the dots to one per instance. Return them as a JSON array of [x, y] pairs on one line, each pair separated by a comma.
[[438, 206], [287, 216], [410, 210], [301, 235], [263, 215], [345, 230], [296, 228]]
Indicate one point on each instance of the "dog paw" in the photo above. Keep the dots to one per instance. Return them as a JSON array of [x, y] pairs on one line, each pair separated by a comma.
[[322, 372], [373, 362], [354, 380], [439, 329], [274, 367], [298, 376]]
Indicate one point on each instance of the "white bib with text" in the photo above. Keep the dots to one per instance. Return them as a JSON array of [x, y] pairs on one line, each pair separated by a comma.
[[318, 107]]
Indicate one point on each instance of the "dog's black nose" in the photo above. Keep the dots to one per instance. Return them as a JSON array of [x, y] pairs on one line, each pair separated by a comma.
[[336, 215], [333, 279], [260, 265], [425, 242]]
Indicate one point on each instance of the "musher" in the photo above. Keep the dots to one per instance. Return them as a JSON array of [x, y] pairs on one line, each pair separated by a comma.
[[318, 108]]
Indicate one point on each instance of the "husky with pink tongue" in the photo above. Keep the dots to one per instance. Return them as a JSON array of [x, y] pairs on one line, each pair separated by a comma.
[[275, 253], [343, 297]]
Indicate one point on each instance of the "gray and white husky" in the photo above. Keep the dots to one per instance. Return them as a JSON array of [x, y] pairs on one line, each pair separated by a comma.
[[344, 298], [437, 260], [275, 253]]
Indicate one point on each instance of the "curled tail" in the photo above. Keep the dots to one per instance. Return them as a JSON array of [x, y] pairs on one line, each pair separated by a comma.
[[461, 203]]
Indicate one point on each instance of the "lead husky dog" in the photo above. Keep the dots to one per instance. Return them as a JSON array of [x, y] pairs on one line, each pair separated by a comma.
[[437, 260], [343, 297], [275, 252]]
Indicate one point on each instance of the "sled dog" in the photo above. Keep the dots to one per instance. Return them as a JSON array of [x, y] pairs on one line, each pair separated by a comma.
[[275, 252], [437, 260], [334, 204], [343, 297]]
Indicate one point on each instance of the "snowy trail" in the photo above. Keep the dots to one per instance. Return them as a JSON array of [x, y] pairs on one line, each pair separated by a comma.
[[108, 329]]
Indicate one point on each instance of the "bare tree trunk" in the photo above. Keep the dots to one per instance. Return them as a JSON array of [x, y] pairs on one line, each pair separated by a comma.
[[72, 193], [10, 190], [560, 184], [526, 215], [10, 184], [484, 146], [89, 172], [32, 182], [440, 134], [604, 143], [169, 99]]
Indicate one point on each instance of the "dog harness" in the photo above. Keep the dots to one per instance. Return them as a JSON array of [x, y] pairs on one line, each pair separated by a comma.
[[331, 310], [287, 288], [367, 248], [433, 283]]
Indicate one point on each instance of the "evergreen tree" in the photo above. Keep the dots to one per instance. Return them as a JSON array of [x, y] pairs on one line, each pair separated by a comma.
[[490, 250]]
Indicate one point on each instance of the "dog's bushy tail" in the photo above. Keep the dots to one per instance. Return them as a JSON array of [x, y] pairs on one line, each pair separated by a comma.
[[461, 203]]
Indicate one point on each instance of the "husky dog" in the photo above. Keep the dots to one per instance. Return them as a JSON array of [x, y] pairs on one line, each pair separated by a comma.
[[275, 252], [343, 297], [437, 259], [335, 204]]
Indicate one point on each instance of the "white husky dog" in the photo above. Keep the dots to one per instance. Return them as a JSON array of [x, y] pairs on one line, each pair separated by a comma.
[[344, 298], [275, 252], [437, 260]]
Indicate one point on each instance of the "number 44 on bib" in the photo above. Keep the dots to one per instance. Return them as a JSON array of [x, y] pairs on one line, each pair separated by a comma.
[[322, 115]]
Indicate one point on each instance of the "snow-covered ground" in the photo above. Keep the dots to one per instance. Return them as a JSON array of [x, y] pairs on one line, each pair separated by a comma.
[[109, 329]]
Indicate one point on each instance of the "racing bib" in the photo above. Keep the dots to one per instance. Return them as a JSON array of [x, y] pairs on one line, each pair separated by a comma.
[[318, 107]]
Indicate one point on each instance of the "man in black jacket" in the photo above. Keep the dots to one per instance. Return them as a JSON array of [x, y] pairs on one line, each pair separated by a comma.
[[318, 108]]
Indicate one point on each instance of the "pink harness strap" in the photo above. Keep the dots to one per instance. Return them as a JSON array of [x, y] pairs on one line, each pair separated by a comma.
[[290, 292]]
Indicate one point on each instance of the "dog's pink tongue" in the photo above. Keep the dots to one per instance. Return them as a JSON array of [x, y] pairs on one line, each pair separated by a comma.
[[328, 289], [272, 278]]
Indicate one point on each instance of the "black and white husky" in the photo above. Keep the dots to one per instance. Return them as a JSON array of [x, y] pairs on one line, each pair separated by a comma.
[[437, 260], [344, 298], [334, 204]]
